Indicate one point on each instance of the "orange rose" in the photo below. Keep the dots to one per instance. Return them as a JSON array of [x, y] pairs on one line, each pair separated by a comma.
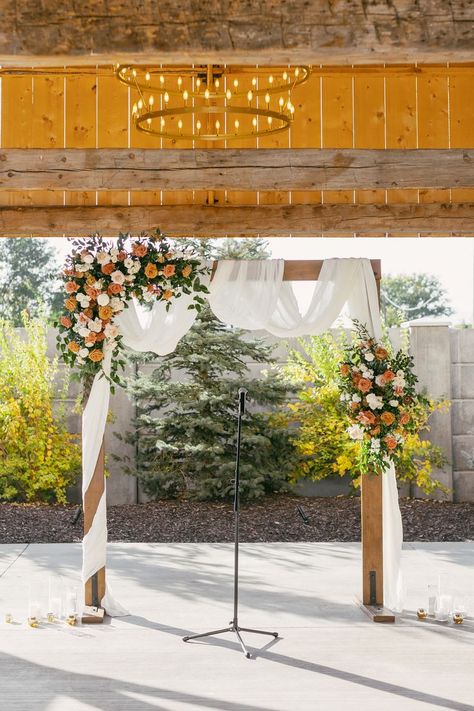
[[404, 418], [121, 256], [71, 303], [151, 271], [88, 312], [169, 270], [68, 272], [114, 289], [90, 291], [74, 347], [364, 385], [99, 336], [366, 417], [66, 321], [354, 406], [398, 390], [167, 294], [105, 312], [108, 268], [391, 442], [96, 355], [187, 271], [375, 431], [387, 376], [91, 338], [344, 369], [70, 287], [387, 418], [381, 353]]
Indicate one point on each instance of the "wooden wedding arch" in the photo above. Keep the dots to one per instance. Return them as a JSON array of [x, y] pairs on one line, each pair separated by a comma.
[[382, 143]]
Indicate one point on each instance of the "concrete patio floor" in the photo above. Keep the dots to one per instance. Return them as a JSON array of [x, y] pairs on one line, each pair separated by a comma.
[[329, 657]]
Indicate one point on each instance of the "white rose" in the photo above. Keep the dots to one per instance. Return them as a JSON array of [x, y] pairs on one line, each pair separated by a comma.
[[394, 403], [356, 398], [367, 374], [98, 285], [116, 303], [128, 263], [84, 332], [129, 278], [355, 432], [80, 361], [136, 267], [379, 380], [83, 299], [369, 357], [95, 325], [87, 258], [103, 299], [117, 277], [83, 353], [114, 251], [375, 402], [149, 296], [103, 258]]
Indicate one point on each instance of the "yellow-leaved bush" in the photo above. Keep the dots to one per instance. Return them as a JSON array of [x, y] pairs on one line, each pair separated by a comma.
[[39, 458], [319, 420]]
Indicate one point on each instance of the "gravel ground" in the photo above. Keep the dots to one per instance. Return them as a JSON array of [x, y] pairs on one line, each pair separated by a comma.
[[273, 519]]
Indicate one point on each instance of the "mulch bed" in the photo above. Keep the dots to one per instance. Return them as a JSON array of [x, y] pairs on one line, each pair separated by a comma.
[[275, 518]]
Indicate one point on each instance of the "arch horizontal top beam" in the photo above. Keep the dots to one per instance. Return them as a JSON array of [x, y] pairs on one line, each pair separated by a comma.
[[233, 169], [254, 31]]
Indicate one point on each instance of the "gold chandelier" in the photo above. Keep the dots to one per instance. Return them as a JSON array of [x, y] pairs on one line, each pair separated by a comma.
[[212, 103]]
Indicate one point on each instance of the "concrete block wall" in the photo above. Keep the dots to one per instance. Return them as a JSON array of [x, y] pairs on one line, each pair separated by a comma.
[[444, 362]]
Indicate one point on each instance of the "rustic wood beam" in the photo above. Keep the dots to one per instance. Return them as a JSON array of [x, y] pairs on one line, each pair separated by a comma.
[[248, 221], [254, 31], [233, 169]]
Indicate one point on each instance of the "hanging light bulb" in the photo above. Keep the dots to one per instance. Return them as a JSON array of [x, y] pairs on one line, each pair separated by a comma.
[[267, 98], [140, 104], [180, 125], [162, 122], [166, 97], [185, 96], [217, 83], [254, 122], [151, 100], [285, 76], [228, 95], [249, 96], [236, 83], [270, 79], [206, 94], [162, 79], [180, 81], [218, 125], [281, 102], [236, 124], [270, 120], [147, 76], [198, 126], [254, 81], [198, 83]]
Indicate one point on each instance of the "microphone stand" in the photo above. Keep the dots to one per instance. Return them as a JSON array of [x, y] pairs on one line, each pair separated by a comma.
[[234, 623]]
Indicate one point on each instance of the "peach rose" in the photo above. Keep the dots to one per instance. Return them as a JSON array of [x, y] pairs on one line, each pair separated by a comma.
[[364, 385], [169, 270], [387, 377], [387, 418], [366, 417], [68, 272], [391, 442], [108, 268], [65, 321], [90, 291], [91, 338], [88, 312], [70, 287], [74, 347], [187, 271], [99, 336], [167, 294], [381, 353], [121, 256], [139, 250], [404, 418], [96, 355], [71, 303], [151, 271], [398, 390], [114, 289], [375, 431], [344, 369], [105, 312]]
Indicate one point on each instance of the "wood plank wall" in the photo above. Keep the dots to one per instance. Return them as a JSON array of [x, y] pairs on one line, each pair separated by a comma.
[[339, 107]]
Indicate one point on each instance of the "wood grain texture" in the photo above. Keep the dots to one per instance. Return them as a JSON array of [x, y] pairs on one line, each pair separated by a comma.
[[252, 30], [372, 536], [91, 501], [265, 169], [233, 221]]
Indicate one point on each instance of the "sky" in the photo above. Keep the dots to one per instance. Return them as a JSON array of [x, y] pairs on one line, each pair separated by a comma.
[[451, 259]]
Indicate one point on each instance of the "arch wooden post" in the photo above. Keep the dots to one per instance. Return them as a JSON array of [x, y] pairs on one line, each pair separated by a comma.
[[94, 588], [372, 536]]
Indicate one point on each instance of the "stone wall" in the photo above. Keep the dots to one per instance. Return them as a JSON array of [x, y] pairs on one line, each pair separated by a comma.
[[444, 362]]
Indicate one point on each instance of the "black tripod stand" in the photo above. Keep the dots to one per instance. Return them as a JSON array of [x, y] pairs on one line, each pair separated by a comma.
[[234, 623]]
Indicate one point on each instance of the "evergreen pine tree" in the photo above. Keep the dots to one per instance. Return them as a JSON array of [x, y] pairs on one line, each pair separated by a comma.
[[185, 430]]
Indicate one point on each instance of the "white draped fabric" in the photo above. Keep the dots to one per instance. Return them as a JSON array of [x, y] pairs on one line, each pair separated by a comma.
[[251, 295]]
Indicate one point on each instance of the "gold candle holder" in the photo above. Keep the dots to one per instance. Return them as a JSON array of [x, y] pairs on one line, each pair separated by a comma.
[[71, 620], [33, 622], [421, 613], [458, 617]]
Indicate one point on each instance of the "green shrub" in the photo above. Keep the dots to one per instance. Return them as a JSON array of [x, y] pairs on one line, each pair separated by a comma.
[[319, 416], [39, 458]]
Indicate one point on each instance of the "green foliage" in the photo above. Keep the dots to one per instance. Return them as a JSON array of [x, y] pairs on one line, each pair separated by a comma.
[[321, 438], [185, 434], [28, 273], [407, 297], [39, 459], [227, 248]]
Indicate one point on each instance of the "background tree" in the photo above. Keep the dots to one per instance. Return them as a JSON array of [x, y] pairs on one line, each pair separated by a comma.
[[407, 297], [28, 270], [185, 430]]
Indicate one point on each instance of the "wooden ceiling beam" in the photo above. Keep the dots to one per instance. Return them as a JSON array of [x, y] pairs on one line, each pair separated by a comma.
[[232, 221], [234, 169], [251, 31]]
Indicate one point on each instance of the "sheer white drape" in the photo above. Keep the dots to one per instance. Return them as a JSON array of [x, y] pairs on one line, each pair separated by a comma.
[[253, 295], [250, 295]]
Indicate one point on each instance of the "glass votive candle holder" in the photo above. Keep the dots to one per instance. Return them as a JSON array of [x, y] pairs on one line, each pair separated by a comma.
[[71, 620], [432, 598], [444, 608], [33, 622], [50, 617]]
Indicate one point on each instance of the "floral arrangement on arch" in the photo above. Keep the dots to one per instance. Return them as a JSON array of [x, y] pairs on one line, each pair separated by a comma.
[[379, 392], [101, 276]]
